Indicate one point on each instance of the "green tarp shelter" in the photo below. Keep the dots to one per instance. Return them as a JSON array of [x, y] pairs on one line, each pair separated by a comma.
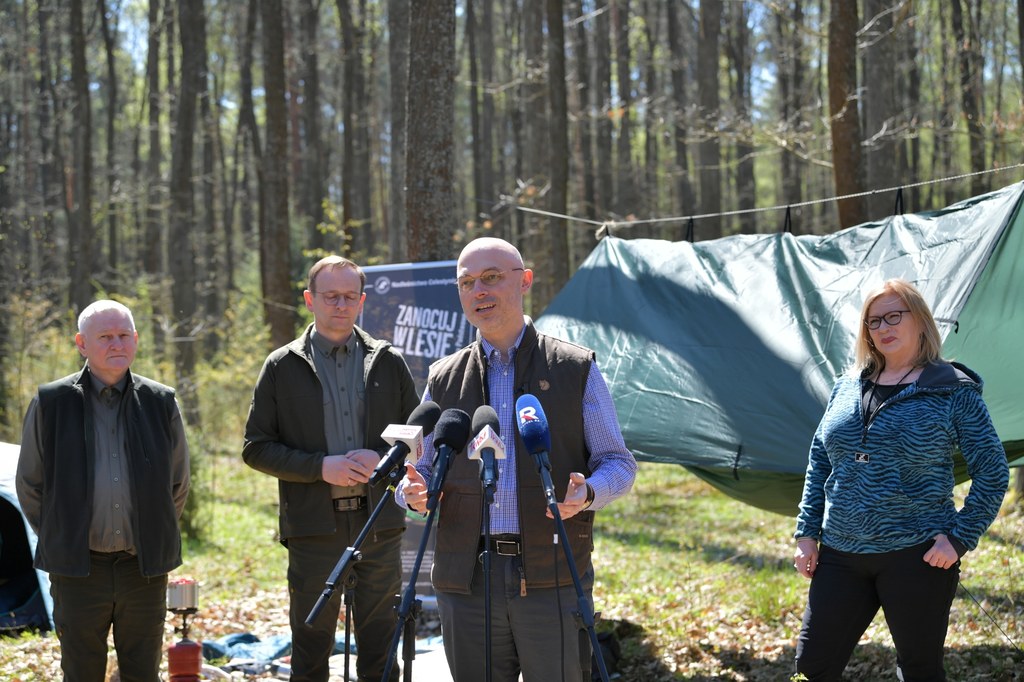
[[721, 354]]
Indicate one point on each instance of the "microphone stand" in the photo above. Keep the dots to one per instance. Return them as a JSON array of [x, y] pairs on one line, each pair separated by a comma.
[[409, 608], [586, 612], [343, 574], [488, 501]]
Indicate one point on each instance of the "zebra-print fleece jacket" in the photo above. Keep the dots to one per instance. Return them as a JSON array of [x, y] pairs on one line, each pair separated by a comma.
[[888, 484]]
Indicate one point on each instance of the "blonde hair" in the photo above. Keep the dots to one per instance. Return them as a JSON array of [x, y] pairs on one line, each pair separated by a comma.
[[867, 357]]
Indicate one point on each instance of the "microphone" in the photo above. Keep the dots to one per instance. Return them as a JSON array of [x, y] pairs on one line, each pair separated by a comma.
[[452, 434], [487, 445], [533, 428], [406, 438]]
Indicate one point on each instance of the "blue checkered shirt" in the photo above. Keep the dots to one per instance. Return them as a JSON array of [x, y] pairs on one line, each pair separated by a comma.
[[611, 463]]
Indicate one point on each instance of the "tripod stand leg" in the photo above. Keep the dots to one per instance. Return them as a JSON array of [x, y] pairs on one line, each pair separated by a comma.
[[350, 586], [409, 640]]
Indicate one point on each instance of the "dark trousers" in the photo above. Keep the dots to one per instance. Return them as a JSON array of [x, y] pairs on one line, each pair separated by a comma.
[[378, 582], [845, 594], [114, 594], [539, 635]]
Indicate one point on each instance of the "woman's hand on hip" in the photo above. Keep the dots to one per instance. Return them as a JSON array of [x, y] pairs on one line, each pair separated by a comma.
[[942, 554]]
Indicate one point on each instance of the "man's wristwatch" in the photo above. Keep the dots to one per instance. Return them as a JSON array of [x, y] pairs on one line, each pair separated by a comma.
[[590, 498]]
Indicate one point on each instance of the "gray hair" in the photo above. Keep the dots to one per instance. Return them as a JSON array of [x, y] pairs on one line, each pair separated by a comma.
[[102, 306]]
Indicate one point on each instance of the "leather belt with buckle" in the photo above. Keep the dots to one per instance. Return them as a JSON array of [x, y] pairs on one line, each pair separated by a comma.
[[505, 545], [344, 504]]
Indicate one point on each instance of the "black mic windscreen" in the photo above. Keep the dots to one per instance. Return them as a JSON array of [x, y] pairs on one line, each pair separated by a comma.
[[452, 429], [425, 415], [486, 416]]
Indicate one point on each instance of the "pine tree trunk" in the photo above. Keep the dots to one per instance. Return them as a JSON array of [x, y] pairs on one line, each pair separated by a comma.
[[81, 238], [842, 100], [680, 102], [398, 71], [534, 104], [275, 242], [113, 240], [311, 192], [430, 199], [625, 191], [181, 237], [739, 55], [709, 150], [557, 273], [603, 97], [879, 104], [971, 65]]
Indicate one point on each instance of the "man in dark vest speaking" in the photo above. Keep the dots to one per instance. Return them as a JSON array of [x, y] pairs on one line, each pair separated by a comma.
[[534, 628]]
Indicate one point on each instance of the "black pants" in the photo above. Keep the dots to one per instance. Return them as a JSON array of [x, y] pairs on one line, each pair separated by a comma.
[[113, 594], [378, 582], [845, 594]]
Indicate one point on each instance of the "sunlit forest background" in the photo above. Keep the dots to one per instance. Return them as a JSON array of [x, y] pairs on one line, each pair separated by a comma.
[[193, 157]]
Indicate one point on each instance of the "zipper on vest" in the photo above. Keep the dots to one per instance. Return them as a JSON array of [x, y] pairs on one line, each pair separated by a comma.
[[522, 582]]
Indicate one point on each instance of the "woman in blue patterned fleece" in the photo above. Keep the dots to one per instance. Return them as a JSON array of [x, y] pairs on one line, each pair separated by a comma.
[[877, 524]]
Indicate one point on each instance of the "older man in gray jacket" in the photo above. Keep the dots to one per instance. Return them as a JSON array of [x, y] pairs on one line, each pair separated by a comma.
[[102, 478]]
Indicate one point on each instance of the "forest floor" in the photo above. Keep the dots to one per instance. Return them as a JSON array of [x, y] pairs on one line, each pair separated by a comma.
[[694, 586]]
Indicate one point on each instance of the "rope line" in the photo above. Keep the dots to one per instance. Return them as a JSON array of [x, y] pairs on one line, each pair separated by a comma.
[[975, 599], [607, 225]]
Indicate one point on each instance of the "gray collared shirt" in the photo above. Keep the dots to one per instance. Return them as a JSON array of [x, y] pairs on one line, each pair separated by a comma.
[[111, 528], [340, 369]]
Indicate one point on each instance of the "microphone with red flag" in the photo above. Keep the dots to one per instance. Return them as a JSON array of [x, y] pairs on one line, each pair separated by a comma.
[[487, 446]]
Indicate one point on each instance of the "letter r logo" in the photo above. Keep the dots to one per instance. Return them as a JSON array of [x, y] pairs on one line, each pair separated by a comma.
[[527, 414]]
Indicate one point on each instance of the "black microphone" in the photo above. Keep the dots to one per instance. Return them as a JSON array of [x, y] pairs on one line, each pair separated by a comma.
[[487, 445], [452, 434], [406, 438], [533, 428]]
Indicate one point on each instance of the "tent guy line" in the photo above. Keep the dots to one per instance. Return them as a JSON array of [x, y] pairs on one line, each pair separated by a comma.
[[606, 225]]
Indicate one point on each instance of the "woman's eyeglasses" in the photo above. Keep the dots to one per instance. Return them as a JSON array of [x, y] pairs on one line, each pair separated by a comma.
[[892, 318]]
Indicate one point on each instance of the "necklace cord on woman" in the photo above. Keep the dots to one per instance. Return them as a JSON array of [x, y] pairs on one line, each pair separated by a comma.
[[869, 414]]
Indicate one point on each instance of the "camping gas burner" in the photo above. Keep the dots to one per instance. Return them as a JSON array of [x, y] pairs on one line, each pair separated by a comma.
[[185, 658], [183, 599]]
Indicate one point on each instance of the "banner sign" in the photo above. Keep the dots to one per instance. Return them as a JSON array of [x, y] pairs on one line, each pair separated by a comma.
[[416, 307]]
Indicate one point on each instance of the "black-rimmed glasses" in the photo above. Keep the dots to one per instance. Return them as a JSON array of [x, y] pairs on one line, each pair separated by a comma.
[[892, 318]]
